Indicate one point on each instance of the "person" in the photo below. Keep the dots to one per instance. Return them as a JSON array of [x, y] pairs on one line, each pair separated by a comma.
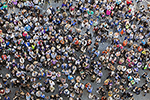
[[58, 43], [6, 98], [28, 96]]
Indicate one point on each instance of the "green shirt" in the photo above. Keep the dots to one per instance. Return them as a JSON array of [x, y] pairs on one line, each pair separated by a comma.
[[58, 9], [90, 12], [4, 6], [33, 47]]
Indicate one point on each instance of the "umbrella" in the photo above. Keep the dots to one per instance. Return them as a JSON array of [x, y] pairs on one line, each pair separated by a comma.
[[4, 57]]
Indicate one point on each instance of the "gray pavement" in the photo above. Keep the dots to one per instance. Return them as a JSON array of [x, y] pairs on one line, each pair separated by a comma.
[[105, 72]]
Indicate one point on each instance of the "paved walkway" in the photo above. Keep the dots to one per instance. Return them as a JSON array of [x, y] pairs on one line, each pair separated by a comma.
[[105, 72]]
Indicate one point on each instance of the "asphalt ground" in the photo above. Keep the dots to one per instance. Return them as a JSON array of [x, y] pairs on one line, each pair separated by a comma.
[[105, 72]]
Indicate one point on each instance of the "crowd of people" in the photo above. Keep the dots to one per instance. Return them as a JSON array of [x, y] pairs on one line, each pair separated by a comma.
[[50, 55]]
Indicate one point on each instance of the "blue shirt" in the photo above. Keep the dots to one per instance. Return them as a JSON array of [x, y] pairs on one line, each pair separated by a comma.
[[7, 98], [27, 28], [143, 42]]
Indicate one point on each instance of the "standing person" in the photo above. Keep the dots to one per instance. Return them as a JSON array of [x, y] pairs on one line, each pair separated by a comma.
[[28, 96], [6, 98]]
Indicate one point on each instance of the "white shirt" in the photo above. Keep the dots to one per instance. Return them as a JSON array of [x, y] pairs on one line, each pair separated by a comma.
[[36, 1]]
